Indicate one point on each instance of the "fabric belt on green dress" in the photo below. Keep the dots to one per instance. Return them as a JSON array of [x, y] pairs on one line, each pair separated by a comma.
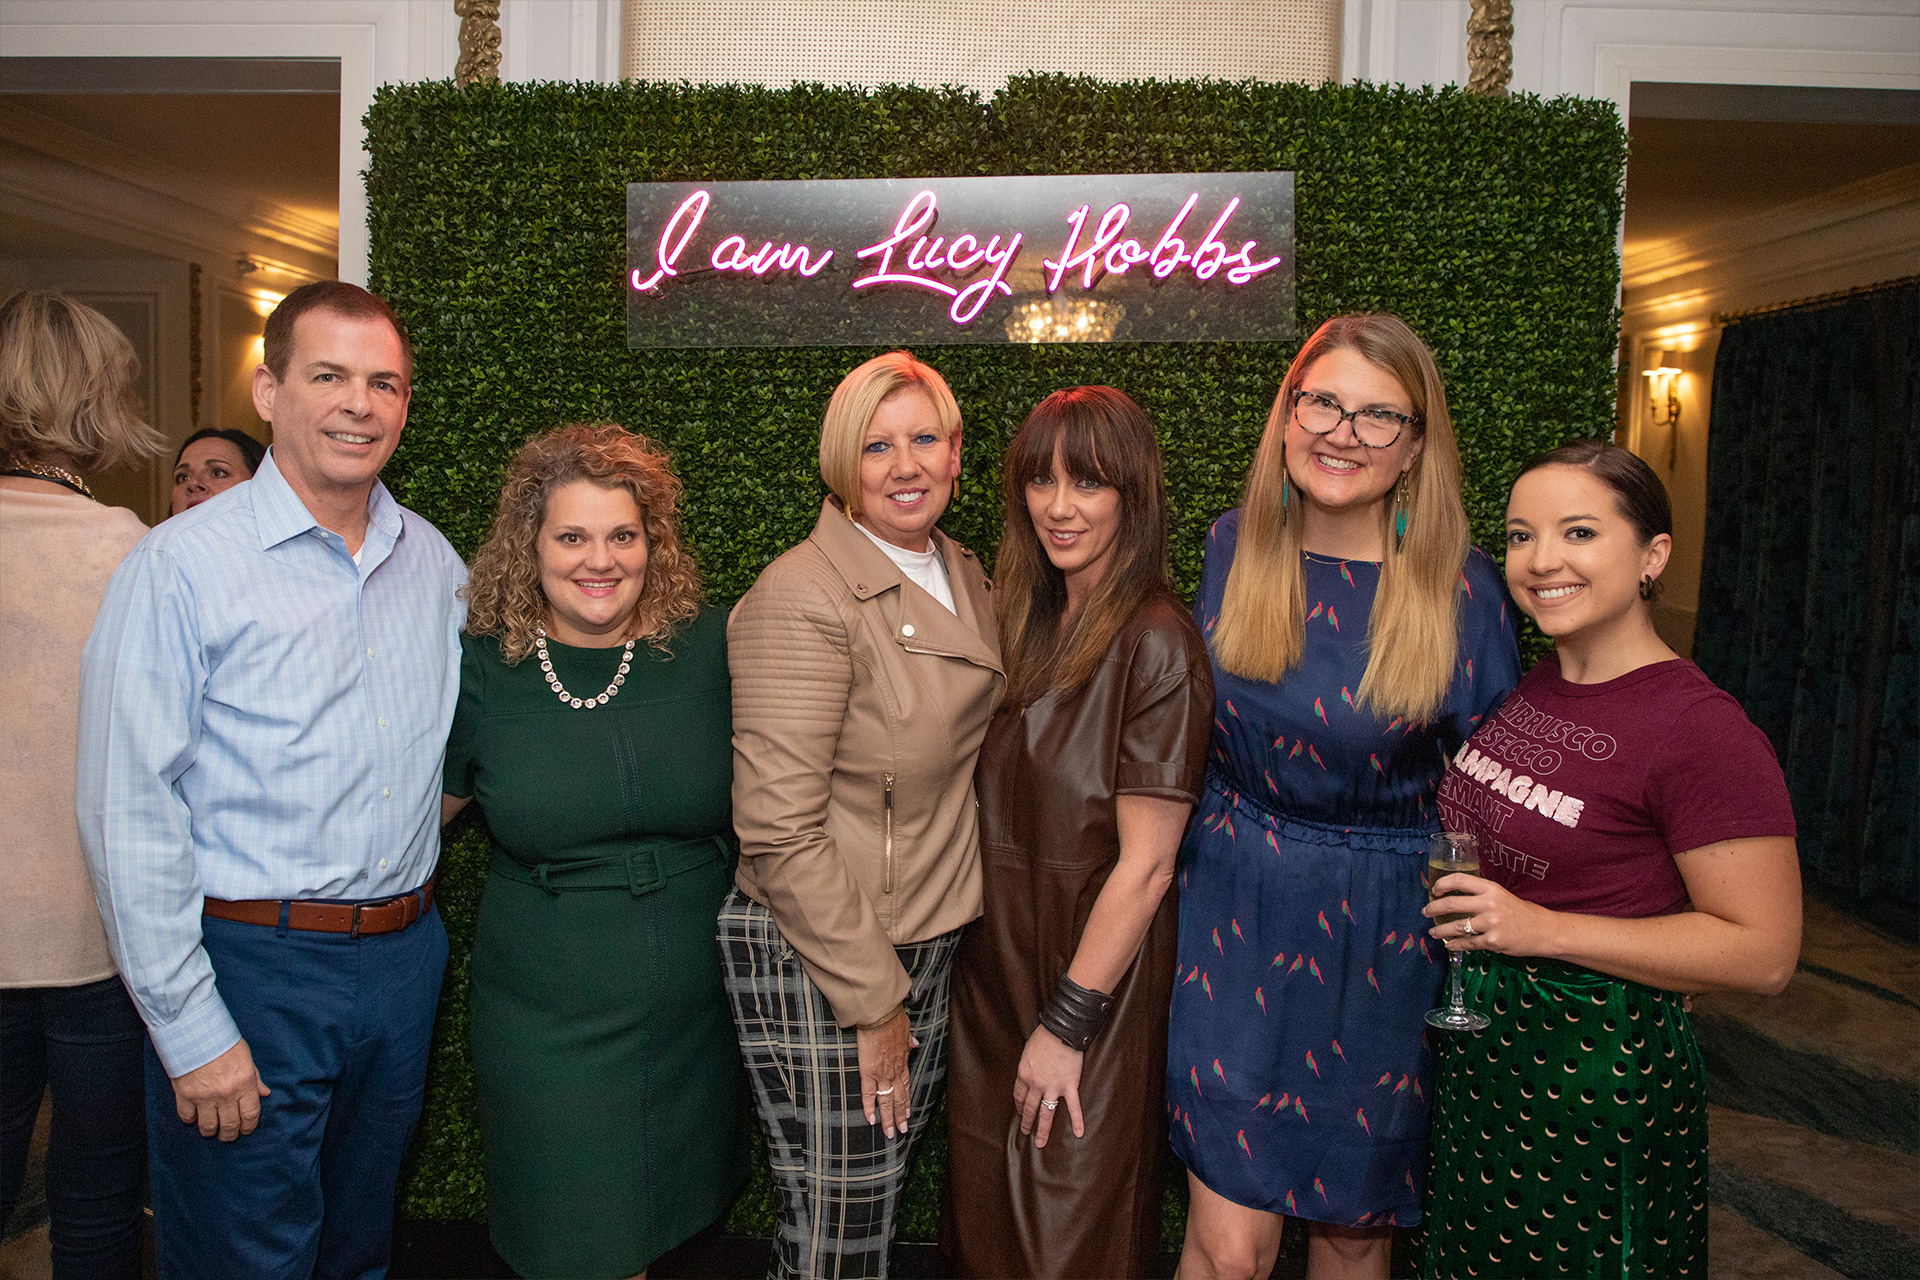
[[641, 870]]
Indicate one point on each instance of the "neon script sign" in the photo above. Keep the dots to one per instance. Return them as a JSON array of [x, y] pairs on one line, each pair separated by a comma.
[[1153, 258]]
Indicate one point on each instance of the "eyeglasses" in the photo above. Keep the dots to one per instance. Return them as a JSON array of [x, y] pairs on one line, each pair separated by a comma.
[[1375, 428]]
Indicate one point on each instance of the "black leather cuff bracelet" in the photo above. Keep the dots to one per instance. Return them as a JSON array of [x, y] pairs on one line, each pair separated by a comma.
[[1074, 1014]]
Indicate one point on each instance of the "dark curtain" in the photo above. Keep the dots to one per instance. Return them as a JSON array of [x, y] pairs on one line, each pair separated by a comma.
[[1810, 585]]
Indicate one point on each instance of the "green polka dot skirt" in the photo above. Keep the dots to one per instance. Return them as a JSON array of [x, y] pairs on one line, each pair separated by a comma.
[[1570, 1137]]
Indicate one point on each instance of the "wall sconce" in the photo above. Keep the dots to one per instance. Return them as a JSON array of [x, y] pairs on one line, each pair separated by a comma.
[[1663, 402]]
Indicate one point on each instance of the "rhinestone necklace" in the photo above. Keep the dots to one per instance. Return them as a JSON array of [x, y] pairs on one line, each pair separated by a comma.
[[560, 690]]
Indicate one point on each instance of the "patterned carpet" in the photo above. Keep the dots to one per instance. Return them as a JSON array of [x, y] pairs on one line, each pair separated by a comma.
[[1815, 1127]]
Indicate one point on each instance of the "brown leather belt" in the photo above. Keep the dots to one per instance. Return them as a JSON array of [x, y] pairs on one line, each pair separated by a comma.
[[356, 919]]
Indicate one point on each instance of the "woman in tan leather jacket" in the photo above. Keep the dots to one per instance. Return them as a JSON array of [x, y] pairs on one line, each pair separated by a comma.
[[865, 666], [1056, 1106]]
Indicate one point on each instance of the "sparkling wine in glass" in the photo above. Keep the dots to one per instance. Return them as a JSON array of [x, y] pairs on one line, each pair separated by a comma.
[[1448, 852]]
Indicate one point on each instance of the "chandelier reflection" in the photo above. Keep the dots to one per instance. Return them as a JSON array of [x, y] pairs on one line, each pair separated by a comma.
[[1063, 319]]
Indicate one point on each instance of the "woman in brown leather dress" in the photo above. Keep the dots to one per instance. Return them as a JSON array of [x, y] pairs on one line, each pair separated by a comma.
[[1088, 774]]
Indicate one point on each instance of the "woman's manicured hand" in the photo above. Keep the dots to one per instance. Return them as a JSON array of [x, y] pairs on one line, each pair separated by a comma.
[[1049, 1071], [884, 1086], [1496, 920]]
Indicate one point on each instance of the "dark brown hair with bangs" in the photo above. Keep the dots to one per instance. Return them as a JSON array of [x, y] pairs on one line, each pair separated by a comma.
[[1101, 435]]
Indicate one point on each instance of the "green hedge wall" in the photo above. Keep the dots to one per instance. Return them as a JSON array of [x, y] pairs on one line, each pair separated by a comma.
[[498, 232]]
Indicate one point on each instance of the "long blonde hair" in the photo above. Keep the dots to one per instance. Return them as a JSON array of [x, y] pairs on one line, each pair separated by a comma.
[[503, 592], [1411, 636]]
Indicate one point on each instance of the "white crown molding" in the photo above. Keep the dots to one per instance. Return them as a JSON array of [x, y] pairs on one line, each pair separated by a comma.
[[377, 42], [1598, 48], [48, 189], [1682, 255], [1603, 49], [147, 223], [1855, 234], [297, 231], [1727, 289]]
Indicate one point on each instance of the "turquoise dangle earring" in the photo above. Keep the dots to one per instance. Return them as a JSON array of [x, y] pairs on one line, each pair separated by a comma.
[[1283, 481], [1400, 511]]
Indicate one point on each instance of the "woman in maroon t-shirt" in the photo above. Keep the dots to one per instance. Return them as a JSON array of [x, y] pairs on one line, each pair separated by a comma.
[[1635, 841]]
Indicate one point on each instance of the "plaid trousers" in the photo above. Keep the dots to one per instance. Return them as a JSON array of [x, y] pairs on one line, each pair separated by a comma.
[[837, 1179]]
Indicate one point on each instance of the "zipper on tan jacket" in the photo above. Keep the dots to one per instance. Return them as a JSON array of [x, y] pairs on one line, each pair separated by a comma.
[[887, 810]]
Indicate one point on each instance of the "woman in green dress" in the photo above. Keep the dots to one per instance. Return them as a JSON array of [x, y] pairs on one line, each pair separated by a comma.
[[594, 729]]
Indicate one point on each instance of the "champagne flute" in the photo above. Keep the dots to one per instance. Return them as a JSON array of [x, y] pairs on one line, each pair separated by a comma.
[[1448, 852]]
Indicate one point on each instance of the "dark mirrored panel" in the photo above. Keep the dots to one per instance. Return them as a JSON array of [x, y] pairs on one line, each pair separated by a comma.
[[1183, 257]]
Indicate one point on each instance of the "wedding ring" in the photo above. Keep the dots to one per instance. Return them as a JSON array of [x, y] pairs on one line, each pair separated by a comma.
[[1466, 929], [881, 1093], [1051, 1103]]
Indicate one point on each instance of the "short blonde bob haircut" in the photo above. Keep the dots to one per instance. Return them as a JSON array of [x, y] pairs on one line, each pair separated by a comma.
[[503, 592], [66, 385], [843, 435], [1411, 635]]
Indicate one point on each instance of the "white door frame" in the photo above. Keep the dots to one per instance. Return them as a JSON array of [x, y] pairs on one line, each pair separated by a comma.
[[1602, 51], [1598, 48]]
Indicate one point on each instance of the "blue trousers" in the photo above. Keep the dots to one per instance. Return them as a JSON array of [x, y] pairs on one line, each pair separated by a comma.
[[339, 1029], [85, 1042]]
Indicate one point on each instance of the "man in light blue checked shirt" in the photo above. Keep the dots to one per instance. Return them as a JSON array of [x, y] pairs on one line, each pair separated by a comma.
[[264, 707]]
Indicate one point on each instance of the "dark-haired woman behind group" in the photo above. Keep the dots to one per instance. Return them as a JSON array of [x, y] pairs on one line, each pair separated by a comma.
[[210, 462], [1089, 771], [1636, 841]]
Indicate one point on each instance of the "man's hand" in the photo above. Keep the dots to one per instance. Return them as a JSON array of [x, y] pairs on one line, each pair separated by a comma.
[[222, 1097]]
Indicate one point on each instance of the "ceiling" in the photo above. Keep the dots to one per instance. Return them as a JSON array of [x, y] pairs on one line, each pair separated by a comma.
[[282, 147], [1708, 153], [1685, 175]]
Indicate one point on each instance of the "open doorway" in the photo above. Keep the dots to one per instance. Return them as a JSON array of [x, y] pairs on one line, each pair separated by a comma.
[[182, 198], [1741, 196], [1773, 387]]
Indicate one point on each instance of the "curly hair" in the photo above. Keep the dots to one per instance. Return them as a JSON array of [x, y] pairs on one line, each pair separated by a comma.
[[503, 592]]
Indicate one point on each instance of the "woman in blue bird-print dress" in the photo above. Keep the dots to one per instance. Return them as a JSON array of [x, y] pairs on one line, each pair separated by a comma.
[[1357, 641]]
